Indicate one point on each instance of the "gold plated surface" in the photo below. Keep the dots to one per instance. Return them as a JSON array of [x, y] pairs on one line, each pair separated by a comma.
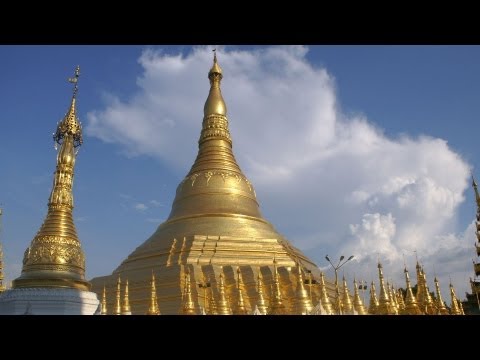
[[54, 257], [188, 307], [215, 226], [126, 301]]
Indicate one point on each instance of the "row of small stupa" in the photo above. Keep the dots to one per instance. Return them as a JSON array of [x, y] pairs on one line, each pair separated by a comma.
[[390, 301], [215, 246]]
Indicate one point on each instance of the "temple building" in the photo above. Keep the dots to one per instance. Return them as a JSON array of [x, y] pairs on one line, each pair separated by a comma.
[[53, 273], [472, 303], [216, 235]]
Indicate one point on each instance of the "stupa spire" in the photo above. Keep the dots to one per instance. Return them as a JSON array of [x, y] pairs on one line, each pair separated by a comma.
[[261, 304], [440, 304], [54, 257], [240, 308], [153, 308], [373, 307], [188, 306], [324, 298], [384, 305], [455, 307], [126, 301], [118, 307], [303, 303], [347, 304], [411, 305], [276, 302], [357, 300], [223, 307], [104, 302]]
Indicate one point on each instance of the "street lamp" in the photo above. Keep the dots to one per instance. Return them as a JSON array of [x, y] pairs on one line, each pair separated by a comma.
[[310, 281], [338, 266], [204, 285], [363, 287]]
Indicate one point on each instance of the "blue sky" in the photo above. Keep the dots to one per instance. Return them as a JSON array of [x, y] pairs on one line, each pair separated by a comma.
[[338, 123]]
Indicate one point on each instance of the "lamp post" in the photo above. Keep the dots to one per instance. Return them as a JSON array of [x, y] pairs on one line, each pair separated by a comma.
[[363, 287], [204, 285], [310, 281], [340, 263]]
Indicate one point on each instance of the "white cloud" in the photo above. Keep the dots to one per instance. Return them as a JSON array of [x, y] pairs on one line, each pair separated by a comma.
[[331, 183], [156, 203], [140, 207]]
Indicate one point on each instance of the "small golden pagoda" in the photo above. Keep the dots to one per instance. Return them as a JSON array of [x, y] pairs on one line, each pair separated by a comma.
[[214, 227], [55, 257]]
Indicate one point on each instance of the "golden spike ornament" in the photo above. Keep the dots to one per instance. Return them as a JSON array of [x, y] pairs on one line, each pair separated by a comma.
[[373, 307], [324, 298], [384, 305], [118, 307], [126, 310], [454, 308], [400, 301], [54, 257], [411, 305], [188, 306], [153, 308], [104, 301], [303, 302], [357, 300], [347, 304], [240, 308], [261, 304], [440, 304], [223, 307], [276, 303]]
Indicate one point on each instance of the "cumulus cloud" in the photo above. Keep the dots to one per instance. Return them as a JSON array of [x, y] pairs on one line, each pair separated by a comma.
[[330, 182], [140, 207]]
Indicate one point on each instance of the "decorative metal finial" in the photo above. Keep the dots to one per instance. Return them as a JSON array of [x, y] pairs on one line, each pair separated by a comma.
[[74, 80], [214, 55]]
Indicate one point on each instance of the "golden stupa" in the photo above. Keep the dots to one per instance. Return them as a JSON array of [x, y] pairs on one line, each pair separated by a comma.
[[55, 258], [214, 228]]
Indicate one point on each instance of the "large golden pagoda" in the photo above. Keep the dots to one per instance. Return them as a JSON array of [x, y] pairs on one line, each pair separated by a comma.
[[214, 227], [55, 257]]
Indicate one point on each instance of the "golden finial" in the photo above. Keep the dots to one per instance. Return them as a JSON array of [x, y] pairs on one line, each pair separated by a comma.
[[400, 301], [384, 305], [373, 307], [357, 300], [440, 304], [118, 308], [455, 307], [153, 309], [303, 302], [392, 298], [261, 305], [188, 306], [276, 304], [324, 298], [215, 107], [104, 301], [70, 124], [126, 301], [347, 304], [411, 305], [240, 308], [55, 257], [212, 308], [223, 307]]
